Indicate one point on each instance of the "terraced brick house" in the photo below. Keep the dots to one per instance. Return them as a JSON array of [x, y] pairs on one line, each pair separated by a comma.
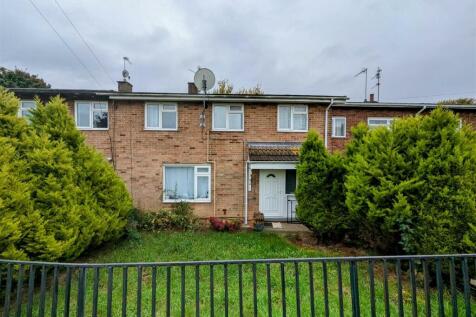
[[228, 155]]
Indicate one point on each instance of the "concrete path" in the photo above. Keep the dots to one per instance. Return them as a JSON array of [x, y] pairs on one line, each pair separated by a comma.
[[285, 227]]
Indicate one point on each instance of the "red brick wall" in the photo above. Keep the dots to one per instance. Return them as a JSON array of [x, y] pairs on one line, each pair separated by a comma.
[[353, 117], [139, 155], [356, 115]]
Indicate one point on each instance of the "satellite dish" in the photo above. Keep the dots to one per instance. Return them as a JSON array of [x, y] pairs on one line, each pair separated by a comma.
[[125, 74], [204, 79]]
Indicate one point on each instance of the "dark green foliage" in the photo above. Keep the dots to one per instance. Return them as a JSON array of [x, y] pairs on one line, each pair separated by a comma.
[[55, 121], [57, 195], [320, 191], [412, 187], [10, 125], [20, 79], [15, 204], [180, 217]]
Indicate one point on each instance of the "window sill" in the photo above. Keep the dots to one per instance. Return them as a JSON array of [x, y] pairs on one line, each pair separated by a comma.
[[293, 131], [338, 137], [93, 129], [192, 201], [227, 130], [157, 129]]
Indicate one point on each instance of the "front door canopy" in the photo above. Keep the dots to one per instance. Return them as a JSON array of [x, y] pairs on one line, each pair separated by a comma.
[[273, 151]]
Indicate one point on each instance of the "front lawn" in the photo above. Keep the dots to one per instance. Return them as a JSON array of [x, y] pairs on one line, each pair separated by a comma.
[[196, 246], [192, 246]]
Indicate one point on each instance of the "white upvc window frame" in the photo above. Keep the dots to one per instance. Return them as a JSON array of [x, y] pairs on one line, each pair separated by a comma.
[[373, 126], [227, 120], [20, 108], [334, 119], [292, 112], [196, 174], [91, 114], [161, 106]]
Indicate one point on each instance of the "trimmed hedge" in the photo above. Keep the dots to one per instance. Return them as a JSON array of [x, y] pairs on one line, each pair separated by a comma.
[[58, 196]]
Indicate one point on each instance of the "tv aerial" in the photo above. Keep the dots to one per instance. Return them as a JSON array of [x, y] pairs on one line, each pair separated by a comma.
[[364, 71], [377, 76], [204, 79], [125, 72]]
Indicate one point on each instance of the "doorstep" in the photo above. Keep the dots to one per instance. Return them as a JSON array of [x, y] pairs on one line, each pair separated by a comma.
[[285, 227]]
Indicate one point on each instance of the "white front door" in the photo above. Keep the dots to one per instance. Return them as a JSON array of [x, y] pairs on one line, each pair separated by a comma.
[[272, 198]]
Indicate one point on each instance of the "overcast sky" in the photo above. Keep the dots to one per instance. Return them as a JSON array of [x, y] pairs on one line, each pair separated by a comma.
[[426, 48]]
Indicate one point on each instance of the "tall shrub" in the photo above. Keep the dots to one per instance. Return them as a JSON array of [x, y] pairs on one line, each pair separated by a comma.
[[63, 196], [102, 191], [413, 186], [15, 203], [319, 192]]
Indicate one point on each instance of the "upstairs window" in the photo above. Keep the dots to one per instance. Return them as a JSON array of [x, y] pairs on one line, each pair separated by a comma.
[[228, 117], [91, 115], [379, 122], [338, 127], [161, 116], [187, 183], [25, 108], [292, 118]]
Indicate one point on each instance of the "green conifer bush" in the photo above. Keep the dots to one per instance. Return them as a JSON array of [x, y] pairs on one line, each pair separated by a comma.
[[409, 188], [320, 190], [58, 196]]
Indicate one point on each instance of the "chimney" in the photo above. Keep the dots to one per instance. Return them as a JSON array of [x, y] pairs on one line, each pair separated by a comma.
[[124, 86], [192, 89], [372, 99]]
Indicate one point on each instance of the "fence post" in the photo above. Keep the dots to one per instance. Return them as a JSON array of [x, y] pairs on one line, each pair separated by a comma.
[[283, 288], [81, 291], [354, 289], [370, 270], [296, 288], [467, 291], [109, 291], [339, 285], [6, 306]]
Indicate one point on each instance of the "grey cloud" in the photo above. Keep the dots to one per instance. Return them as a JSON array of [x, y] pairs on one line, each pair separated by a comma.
[[425, 48]]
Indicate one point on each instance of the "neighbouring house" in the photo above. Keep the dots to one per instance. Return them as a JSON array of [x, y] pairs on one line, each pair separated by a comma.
[[228, 155]]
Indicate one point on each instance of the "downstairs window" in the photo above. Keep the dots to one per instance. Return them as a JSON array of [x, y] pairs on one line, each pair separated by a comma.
[[187, 183]]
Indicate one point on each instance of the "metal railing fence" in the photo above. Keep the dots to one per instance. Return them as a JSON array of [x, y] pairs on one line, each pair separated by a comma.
[[291, 204], [441, 285]]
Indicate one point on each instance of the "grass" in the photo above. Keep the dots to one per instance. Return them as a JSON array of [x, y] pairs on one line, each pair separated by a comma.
[[191, 246]]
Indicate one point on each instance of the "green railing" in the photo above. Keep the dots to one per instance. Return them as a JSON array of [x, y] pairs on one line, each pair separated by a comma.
[[333, 286]]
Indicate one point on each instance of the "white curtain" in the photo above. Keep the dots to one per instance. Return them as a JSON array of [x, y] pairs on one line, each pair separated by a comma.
[[82, 114], [235, 121], [284, 117], [152, 116], [219, 117], [300, 121], [202, 187], [340, 127], [169, 120], [179, 182]]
